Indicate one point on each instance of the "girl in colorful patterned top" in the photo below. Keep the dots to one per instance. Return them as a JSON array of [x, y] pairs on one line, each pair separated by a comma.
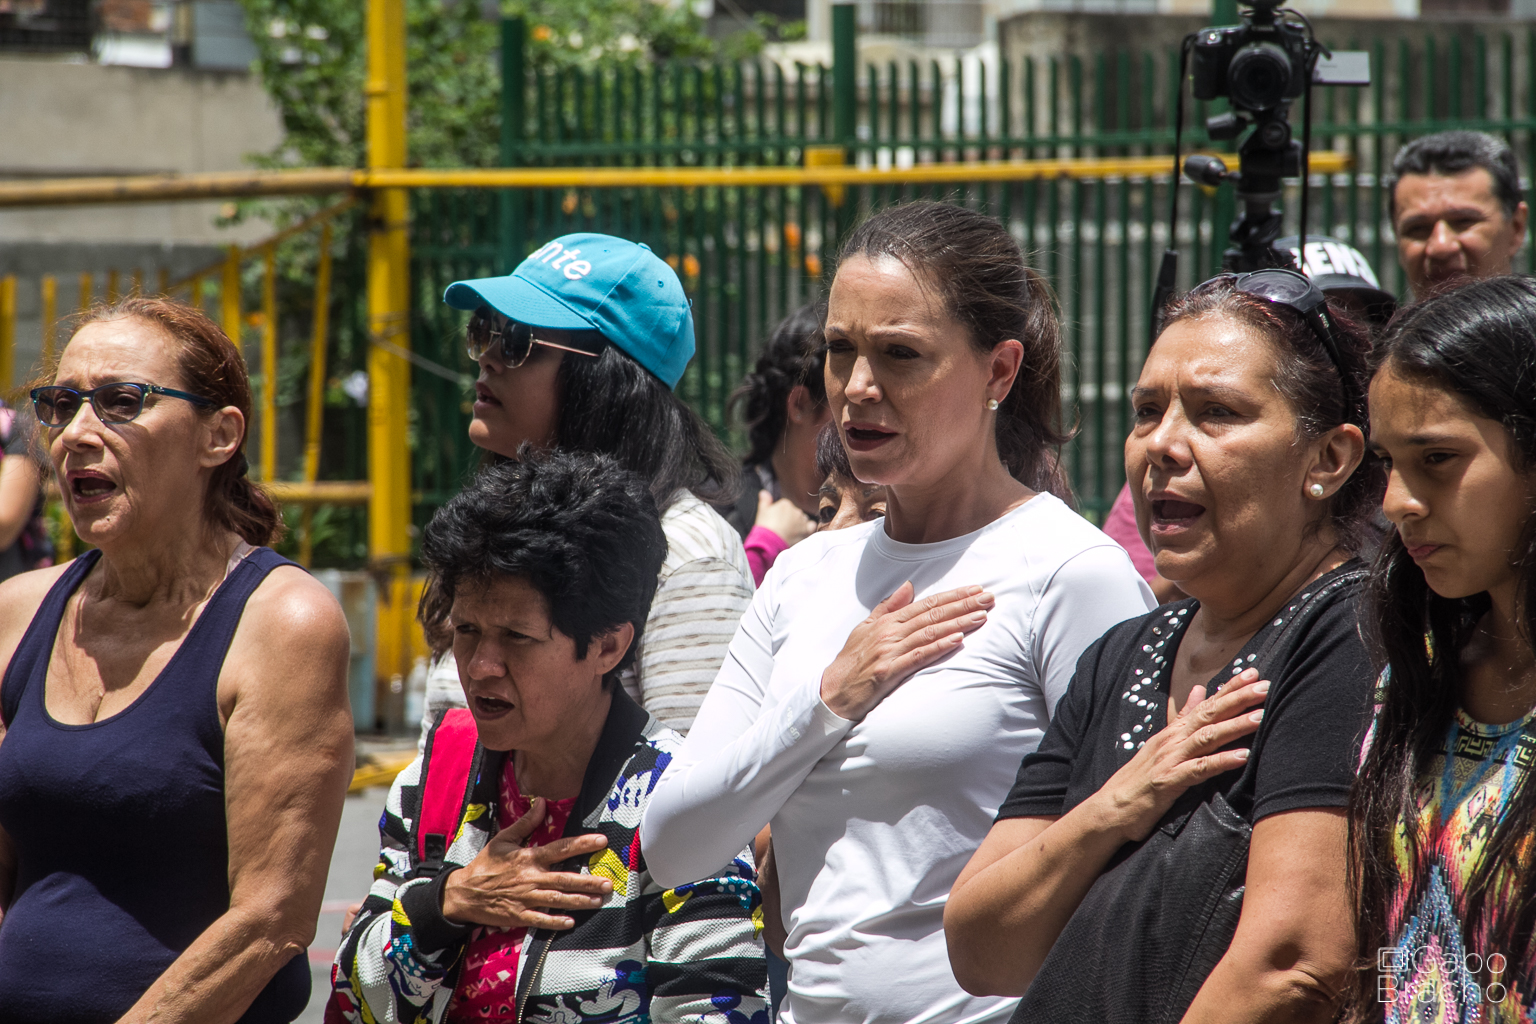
[[1441, 822]]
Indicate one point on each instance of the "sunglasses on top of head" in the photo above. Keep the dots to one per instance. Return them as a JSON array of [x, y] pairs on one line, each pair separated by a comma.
[[513, 342], [1296, 292], [118, 402]]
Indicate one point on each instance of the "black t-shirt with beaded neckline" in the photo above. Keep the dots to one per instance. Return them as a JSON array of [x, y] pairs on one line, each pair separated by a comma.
[[1316, 713]]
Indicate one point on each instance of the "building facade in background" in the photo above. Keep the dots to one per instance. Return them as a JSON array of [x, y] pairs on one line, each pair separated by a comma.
[[122, 87]]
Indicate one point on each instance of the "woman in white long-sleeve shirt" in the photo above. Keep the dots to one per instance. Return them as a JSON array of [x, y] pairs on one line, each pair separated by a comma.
[[888, 678]]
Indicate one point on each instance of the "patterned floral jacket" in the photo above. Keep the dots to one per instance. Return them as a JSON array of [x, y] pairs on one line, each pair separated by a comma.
[[692, 954]]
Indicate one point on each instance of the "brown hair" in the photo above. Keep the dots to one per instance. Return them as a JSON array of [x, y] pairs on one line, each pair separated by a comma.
[[212, 367], [979, 270], [1323, 395]]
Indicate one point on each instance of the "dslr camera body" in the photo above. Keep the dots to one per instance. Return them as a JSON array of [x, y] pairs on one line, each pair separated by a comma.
[[1260, 67]]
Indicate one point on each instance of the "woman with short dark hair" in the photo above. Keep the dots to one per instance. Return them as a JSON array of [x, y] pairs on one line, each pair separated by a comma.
[[579, 348], [177, 742], [1107, 890], [889, 676], [511, 884]]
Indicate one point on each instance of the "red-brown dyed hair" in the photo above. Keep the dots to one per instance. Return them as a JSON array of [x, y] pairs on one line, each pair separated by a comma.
[[212, 367]]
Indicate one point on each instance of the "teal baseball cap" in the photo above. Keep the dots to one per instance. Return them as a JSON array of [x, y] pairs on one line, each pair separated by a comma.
[[587, 281]]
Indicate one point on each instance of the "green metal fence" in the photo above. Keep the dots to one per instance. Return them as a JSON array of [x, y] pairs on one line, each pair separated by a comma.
[[749, 255]]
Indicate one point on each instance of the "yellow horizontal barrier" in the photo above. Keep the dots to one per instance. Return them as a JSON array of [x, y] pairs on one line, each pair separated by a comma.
[[379, 771], [159, 188], [692, 177], [166, 187], [321, 492]]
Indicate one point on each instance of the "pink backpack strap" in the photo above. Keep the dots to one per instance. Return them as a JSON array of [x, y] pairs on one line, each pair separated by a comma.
[[442, 797]]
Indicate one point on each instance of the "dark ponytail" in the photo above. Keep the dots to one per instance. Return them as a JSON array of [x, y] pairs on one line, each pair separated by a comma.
[[210, 366], [794, 355], [979, 270]]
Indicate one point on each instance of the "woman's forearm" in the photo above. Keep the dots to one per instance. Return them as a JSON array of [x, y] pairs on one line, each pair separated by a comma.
[[216, 978], [1001, 920]]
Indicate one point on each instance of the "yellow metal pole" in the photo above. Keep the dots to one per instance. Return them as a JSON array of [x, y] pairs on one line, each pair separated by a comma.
[[112, 295], [64, 542], [7, 333], [229, 297], [389, 378], [87, 291], [136, 288], [269, 366], [50, 296], [197, 291], [314, 413]]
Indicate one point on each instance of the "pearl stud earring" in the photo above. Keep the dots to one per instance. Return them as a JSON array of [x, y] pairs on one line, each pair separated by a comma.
[[992, 404], [1316, 490]]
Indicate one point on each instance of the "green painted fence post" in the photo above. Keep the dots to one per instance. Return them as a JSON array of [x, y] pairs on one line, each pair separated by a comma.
[[1224, 207], [514, 42], [845, 84], [845, 102]]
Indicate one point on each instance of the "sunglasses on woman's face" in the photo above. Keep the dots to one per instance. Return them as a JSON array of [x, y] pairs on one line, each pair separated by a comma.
[[118, 402], [513, 341]]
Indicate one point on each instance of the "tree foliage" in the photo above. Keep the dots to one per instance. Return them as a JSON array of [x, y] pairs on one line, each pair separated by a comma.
[[312, 59]]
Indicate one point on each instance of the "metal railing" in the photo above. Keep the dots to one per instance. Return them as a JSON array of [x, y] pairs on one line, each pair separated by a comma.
[[223, 282], [749, 252]]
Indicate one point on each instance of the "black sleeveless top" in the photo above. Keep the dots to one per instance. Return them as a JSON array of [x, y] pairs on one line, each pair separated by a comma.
[[119, 826]]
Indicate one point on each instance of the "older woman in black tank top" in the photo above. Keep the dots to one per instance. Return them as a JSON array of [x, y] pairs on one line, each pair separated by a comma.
[[176, 740]]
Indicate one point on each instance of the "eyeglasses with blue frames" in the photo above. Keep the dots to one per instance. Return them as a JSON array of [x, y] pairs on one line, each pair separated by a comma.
[[118, 402]]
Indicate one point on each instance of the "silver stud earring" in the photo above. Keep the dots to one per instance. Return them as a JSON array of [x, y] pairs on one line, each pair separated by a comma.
[[1316, 490], [992, 404]]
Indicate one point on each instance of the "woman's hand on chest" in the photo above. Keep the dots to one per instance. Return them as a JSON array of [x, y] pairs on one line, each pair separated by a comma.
[[899, 637], [1184, 754], [510, 885]]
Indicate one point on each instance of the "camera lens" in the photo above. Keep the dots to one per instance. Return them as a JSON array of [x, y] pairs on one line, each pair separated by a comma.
[[1259, 76]]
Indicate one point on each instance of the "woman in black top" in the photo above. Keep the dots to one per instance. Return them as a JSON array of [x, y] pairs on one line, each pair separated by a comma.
[[1245, 464]]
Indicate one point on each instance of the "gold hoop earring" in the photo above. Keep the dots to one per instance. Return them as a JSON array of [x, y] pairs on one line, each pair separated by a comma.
[[992, 404]]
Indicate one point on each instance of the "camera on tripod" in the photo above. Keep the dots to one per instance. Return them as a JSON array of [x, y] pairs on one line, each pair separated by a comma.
[[1260, 67]]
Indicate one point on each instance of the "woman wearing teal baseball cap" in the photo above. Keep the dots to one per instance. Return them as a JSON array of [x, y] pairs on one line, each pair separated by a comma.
[[579, 348]]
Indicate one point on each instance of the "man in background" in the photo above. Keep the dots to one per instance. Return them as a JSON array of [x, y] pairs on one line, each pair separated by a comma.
[[1456, 208]]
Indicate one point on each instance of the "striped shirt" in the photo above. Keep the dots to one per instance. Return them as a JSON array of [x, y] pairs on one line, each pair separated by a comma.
[[705, 588]]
